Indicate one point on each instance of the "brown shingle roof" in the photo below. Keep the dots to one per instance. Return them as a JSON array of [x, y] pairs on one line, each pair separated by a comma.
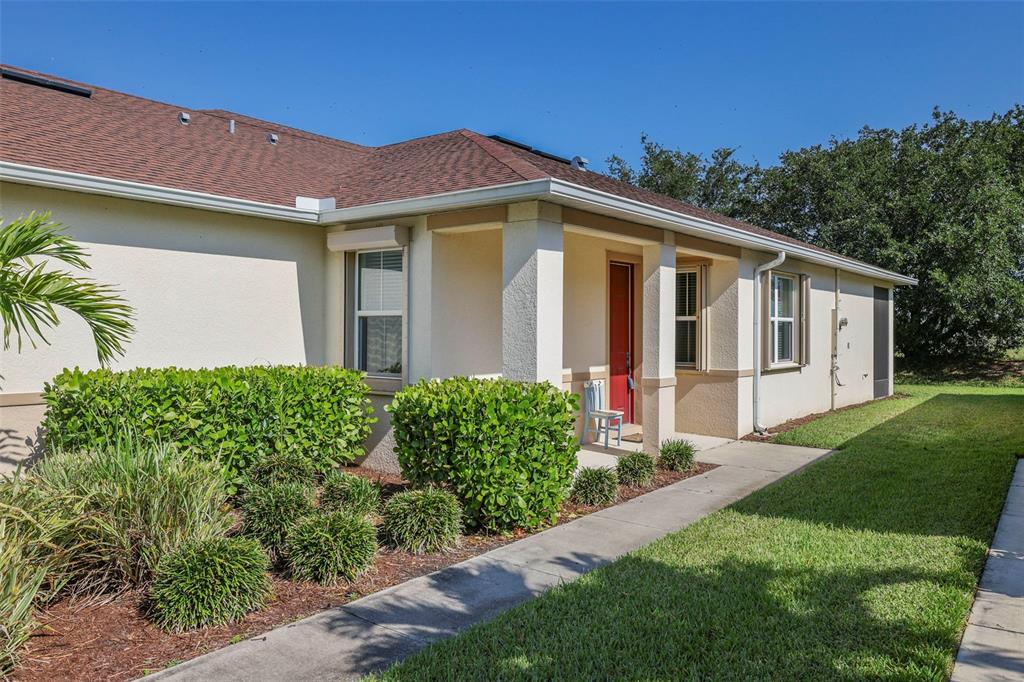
[[115, 135]]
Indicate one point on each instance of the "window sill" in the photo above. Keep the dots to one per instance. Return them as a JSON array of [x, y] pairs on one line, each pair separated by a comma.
[[783, 367], [384, 385]]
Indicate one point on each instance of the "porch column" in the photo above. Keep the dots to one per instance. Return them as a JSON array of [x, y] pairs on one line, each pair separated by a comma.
[[659, 340], [531, 299]]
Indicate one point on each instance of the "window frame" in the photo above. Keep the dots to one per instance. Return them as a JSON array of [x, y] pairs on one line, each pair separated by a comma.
[[793, 319], [695, 318], [359, 314]]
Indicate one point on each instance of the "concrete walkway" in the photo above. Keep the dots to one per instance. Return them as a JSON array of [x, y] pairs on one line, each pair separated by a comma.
[[369, 634], [993, 644]]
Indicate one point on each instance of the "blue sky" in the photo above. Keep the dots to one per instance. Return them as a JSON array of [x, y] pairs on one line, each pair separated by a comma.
[[569, 78]]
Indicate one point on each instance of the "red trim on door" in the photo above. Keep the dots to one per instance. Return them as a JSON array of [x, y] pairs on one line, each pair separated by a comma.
[[620, 338]]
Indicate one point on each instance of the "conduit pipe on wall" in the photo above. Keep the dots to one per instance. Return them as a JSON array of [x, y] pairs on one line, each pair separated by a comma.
[[758, 352]]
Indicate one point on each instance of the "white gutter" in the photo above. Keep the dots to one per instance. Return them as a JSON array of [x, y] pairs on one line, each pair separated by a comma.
[[94, 184], [605, 203], [550, 189], [758, 350]]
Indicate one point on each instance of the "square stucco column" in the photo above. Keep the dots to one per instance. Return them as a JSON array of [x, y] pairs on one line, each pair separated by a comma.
[[659, 340], [531, 298]]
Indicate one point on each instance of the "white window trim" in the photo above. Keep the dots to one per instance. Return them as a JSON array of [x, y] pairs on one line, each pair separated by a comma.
[[375, 313], [775, 318], [695, 318]]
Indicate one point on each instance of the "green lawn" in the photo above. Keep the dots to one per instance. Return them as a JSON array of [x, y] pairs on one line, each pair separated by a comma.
[[860, 567]]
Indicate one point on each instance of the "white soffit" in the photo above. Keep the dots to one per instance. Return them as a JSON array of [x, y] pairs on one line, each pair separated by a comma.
[[386, 236]]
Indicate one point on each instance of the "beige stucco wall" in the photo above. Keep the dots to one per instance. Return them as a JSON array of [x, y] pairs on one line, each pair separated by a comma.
[[791, 393], [209, 289]]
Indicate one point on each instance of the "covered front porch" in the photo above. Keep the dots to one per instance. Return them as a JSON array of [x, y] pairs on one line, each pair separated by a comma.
[[535, 291]]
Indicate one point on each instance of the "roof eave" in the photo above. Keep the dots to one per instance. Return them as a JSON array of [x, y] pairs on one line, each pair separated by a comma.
[[95, 184]]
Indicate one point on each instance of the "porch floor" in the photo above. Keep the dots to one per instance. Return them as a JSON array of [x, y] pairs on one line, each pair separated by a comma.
[[597, 455]]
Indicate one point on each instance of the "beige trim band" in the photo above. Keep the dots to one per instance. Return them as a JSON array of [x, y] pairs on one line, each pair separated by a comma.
[[20, 399], [734, 373], [657, 382], [586, 375]]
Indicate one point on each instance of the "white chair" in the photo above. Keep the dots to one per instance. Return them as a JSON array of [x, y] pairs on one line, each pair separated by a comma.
[[604, 420]]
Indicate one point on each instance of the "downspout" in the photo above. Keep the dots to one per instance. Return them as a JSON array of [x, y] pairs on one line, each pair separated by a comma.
[[758, 306]]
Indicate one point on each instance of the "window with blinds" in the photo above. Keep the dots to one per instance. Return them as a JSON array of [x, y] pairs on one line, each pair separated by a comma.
[[686, 318], [783, 316], [379, 302]]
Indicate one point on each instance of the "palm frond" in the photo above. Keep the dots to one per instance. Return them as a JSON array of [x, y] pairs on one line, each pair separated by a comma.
[[30, 293]]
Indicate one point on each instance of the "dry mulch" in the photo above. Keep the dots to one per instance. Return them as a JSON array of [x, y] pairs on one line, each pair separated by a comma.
[[112, 640]]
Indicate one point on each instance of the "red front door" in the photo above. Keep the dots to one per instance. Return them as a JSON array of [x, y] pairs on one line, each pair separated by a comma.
[[620, 342]]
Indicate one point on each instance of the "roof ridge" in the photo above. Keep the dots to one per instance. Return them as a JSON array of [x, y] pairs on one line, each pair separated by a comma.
[[504, 155], [292, 130]]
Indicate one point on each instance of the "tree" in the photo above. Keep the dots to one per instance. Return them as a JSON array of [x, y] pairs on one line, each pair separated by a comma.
[[943, 202], [30, 291]]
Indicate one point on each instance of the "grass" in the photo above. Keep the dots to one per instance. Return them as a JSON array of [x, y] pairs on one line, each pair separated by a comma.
[[862, 566]]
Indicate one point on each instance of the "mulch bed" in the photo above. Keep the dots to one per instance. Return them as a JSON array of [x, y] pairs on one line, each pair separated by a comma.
[[110, 639], [800, 421]]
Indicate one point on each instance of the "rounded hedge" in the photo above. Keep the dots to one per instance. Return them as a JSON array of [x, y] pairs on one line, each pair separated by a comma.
[[636, 470], [282, 466], [418, 521], [505, 449], [676, 454], [268, 512], [343, 491], [596, 485], [325, 547], [209, 582]]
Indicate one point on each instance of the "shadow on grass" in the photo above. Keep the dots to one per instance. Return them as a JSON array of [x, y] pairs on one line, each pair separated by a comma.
[[734, 619], [940, 468]]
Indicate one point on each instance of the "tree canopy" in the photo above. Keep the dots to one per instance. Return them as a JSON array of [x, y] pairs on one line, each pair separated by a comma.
[[942, 201]]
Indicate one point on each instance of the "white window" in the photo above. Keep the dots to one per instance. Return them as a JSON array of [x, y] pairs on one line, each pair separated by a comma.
[[379, 301], [783, 311], [686, 318]]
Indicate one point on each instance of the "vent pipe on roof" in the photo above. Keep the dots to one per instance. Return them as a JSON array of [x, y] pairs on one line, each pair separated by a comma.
[[183, 118], [579, 163], [231, 126], [272, 138]]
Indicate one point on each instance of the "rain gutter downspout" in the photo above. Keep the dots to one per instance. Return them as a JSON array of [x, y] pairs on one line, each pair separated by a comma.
[[758, 352]]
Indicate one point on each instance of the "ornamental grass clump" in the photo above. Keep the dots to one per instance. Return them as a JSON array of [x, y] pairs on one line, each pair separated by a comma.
[[210, 582], [636, 470], [270, 511], [596, 486], [323, 548], [676, 455], [281, 466], [127, 508], [419, 521], [343, 491], [20, 583]]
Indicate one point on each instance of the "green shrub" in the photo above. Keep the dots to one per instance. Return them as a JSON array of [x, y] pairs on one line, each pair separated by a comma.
[[325, 547], [269, 512], [636, 470], [20, 582], [348, 492], [418, 521], [230, 414], [596, 485], [282, 466], [129, 506], [210, 582], [676, 455], [506, 449]]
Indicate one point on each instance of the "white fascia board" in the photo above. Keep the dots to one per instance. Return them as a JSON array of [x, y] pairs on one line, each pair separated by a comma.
[[638, 211], [94, 184], [467, 198]]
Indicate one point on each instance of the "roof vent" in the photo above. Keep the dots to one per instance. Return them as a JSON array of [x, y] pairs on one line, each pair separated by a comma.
[[272, 138], [45, 83], [579, 163], [183, 118]]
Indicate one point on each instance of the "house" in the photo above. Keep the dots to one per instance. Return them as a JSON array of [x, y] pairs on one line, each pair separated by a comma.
[[241, 241]]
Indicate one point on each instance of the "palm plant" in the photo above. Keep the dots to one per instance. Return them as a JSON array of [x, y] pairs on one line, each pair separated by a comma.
[[30, 292]]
